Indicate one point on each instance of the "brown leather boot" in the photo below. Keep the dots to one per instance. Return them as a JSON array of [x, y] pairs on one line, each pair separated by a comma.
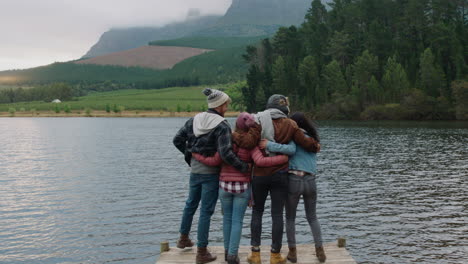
[[203, 256], [254, 257], [320, 253], [184, 241], [276, 258], [292, 255]]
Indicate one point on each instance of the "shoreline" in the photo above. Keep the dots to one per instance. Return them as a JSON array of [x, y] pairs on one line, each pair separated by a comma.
[[127, 113]]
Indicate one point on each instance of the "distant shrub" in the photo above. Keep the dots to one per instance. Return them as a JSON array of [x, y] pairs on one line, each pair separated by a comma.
[[88, 112], [189, 108], [56, 109], [203, 108], [22, 109], [67, 109], [116, 109], [108, 108], [12, 111], [383, 112], [179, 108]]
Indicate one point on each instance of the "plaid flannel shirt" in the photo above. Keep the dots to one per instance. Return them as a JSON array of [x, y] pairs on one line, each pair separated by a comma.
[[218, 140], [234, 187]]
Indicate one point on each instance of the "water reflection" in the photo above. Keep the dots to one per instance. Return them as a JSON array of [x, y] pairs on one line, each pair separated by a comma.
[[109, 190]]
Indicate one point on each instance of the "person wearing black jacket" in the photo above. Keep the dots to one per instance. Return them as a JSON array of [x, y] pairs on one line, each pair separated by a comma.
[[206, 133]]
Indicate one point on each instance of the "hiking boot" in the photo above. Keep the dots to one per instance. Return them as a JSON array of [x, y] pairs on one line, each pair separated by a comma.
[[184, 241], [254, 257], [292, 255], [225, 254], [204, 256], [231, 259], [320, 253], [276, 258]]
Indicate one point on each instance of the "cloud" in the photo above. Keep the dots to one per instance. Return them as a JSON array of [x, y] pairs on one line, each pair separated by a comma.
[[34, 33]]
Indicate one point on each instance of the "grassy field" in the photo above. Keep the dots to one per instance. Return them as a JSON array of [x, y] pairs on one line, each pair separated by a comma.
[[177, 99]]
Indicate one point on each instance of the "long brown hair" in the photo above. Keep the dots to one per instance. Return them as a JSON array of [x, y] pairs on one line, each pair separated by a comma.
[[307, 124]]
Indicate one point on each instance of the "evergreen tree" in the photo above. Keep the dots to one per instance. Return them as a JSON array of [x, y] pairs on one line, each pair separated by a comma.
[[395, 82], [309, 80], [432, 77], [280, 78], [333, 79], [364, 69], [339, 48], [375, 92]]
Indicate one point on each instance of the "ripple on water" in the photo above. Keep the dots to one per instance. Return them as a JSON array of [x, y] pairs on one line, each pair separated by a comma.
[[109, 190]]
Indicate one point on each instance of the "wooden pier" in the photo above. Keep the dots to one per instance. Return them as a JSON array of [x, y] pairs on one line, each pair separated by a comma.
[[336, 254]]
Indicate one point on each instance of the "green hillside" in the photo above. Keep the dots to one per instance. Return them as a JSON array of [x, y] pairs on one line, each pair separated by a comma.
[[223, 65], [220, 66], [215, 43]]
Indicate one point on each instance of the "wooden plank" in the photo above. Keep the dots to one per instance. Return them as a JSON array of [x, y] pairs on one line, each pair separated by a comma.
[[305, 254]]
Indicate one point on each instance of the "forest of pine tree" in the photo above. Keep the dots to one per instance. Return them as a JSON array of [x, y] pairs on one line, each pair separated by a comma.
[[367, 59]]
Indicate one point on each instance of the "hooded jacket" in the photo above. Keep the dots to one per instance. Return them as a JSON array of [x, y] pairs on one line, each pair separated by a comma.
[[214, 136]]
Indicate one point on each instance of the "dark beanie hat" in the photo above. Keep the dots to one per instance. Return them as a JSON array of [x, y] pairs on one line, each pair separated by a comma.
[[279, 102]]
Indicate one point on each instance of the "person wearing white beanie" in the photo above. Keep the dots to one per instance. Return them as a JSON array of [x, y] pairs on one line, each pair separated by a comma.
[[216, 98], [206, 133]]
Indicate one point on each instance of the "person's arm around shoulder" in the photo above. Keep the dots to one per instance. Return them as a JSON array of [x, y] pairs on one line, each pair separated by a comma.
[[224, 145], [261, 161], [288, 149], [213, 161], [308, 143]]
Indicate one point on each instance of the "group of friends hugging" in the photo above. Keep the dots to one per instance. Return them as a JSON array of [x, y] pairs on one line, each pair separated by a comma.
[[268, 153]]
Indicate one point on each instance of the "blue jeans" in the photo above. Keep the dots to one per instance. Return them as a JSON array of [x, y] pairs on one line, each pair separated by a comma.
[[234, 206], [204, 188]]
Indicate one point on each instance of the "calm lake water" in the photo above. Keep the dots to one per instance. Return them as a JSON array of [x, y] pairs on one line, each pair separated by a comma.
[[86, 190]]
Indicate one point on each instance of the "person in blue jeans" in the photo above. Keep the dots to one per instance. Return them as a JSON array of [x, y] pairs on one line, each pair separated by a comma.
[[234, 186], [302, 174], [206, 133]]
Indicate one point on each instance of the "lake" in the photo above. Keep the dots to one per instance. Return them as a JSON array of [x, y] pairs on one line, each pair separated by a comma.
[[109, 190]]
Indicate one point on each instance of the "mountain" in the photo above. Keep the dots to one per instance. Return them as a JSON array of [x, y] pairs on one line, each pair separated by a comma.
[[244, 18], [257, 17], [116, 40], [265, 12]]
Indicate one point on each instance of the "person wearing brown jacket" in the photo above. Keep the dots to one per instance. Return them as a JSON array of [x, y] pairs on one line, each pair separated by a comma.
[[277, 127]]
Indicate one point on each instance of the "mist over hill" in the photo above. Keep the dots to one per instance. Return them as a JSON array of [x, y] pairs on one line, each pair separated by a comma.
[[243, 18], [116, 40]]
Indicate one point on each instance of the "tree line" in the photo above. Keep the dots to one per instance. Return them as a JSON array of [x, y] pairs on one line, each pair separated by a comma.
[[46, 93], [370, 59]]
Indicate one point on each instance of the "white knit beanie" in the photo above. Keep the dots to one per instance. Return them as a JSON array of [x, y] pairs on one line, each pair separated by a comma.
[[215, 97]]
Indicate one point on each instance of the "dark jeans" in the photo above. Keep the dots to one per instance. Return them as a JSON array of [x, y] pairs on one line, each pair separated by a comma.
[[277, 186], [306, 187], [204, 188]]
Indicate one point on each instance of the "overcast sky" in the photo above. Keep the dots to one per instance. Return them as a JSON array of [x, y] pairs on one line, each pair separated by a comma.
[[40, 32]]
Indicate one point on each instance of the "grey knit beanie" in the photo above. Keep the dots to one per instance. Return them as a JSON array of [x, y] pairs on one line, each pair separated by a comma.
[[215, 97], [279, 102]]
